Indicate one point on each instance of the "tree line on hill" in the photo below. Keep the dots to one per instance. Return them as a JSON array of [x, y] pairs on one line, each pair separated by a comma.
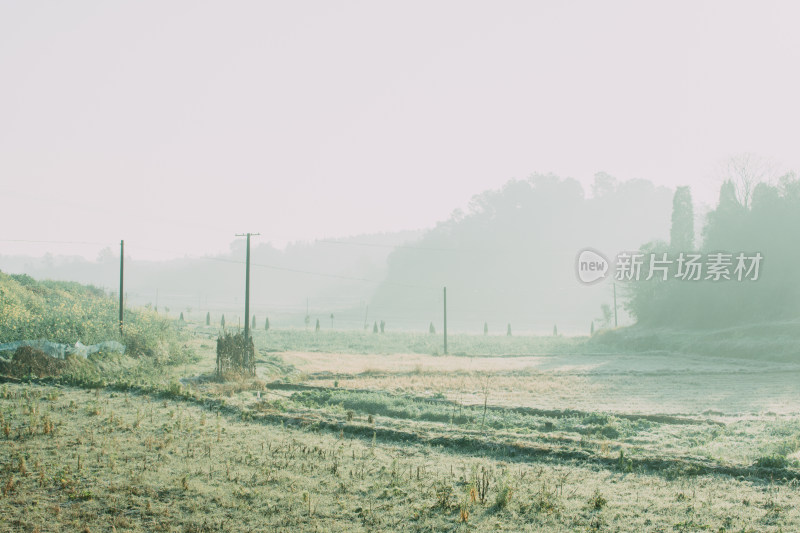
[[751, 218]]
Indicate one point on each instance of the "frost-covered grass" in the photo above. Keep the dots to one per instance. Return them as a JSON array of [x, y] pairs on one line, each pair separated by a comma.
[[74, 459], [556, 438], [394, 342], [771, 341]]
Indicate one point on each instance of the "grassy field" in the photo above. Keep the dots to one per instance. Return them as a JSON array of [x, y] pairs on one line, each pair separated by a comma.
[[323, 441], [404, 342], [354, 431]]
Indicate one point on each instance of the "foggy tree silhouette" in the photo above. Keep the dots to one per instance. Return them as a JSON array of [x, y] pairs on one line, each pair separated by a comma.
[[769, 227], [681, 235], [509, 248]]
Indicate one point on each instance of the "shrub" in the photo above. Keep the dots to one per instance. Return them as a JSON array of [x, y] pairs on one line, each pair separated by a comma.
[[597, 501], [68, 312], [772, 461]]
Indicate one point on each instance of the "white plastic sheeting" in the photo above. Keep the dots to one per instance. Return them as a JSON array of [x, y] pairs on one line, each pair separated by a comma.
[[61, 351]]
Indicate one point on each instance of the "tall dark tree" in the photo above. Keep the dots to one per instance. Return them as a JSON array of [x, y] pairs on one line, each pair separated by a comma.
[[724, 225], [208, 318], [681, 234]]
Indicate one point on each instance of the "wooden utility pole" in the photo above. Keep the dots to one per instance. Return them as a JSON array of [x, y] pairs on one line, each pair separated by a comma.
[[121, 293], [445, 320], [247, 286], [615, 304]]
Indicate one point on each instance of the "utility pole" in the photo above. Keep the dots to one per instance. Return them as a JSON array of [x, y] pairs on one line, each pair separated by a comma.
[[121, 270], [615, 304], [445, 320], [247, 286]]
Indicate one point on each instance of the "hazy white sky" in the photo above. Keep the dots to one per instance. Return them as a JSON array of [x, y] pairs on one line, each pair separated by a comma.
[[175, 125]]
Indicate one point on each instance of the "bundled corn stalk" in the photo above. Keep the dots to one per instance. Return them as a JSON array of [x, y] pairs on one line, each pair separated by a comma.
[[235, 354]]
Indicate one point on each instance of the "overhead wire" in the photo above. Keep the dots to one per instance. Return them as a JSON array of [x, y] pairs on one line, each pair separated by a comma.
[[191, 297]]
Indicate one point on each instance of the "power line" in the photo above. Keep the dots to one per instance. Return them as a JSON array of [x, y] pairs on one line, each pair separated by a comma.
[[58, 242], [299, 271], [550, 251], [404, 246], [284, 269]]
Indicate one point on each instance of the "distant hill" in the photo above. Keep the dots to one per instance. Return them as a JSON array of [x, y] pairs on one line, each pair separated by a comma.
[[332, 275], [510, 258]]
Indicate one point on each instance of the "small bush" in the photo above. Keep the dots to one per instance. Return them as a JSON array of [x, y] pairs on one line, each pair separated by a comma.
[[772, 461], [597, 501]]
